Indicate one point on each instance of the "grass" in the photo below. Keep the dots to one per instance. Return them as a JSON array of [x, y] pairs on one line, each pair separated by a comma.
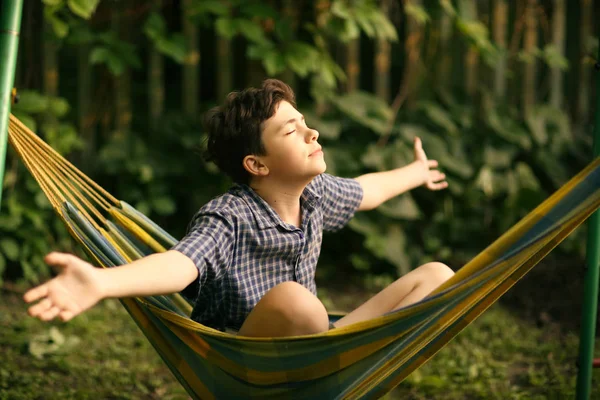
[[508, 353]]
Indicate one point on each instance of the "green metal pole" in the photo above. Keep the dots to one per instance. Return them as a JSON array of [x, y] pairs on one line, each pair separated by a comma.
[[10, 24], [590, 289]]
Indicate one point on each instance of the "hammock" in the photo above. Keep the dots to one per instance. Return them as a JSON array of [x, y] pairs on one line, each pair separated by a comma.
[[363, 360]]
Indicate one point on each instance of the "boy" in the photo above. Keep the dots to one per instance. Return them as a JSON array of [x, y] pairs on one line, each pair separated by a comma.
[[248, 260]]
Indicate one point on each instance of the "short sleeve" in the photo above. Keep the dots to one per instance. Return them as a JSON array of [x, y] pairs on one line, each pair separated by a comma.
[[340, 198], [209, 244]]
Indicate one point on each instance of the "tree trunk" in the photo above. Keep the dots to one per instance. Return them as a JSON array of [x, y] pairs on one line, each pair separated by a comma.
[[383, 62], [472, 56], [410, 76], [156, 88], [122, 88], [84, 115], [445, 52], [500, 21], [558, 39], [583, 100], [320, 8], [50, 60], [256, 73], [530, 43], [353, 65], [191, 63], [224, 78], [290, 10]]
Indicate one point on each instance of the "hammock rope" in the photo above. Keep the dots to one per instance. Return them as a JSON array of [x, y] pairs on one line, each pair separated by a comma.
[[363, 360]]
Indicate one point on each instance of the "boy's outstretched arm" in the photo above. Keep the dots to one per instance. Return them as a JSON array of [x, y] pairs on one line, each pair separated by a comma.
[[79, 285], [379, 187]]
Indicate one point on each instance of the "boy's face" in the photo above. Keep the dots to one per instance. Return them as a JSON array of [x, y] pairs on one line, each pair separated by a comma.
[[292, 151]]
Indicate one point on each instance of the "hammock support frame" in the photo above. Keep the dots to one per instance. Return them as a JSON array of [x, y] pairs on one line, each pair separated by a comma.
[[10, 25], [591, 280]]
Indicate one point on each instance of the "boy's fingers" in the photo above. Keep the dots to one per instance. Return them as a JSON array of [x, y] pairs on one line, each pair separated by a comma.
[[58, 259], [36, 293], [432, 163], [438, 176], [440, 186], [50, 314], [40, 307], [65, 315]]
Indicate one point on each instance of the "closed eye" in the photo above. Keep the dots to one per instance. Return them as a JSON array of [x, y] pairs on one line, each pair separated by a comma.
[[289, 133]]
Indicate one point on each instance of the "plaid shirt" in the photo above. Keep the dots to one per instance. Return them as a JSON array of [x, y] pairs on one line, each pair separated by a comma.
[[242, 248]]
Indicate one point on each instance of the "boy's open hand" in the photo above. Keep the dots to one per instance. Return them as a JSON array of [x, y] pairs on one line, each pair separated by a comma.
[[433, 179], [74, 290]]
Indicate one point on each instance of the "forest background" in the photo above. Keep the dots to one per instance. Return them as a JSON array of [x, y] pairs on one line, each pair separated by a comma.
[[501, 93]]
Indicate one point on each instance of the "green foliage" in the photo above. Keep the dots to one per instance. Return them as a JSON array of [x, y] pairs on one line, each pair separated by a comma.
[[62, 13], [171, 45], [498, 164], [29, 228], [346, 20], [116, 54], [498, 170]]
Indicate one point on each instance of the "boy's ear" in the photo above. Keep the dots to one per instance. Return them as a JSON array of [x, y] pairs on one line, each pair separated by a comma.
[[254, 165]]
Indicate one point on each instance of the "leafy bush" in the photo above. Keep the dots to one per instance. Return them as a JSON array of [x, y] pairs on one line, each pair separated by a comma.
[[29, 228]]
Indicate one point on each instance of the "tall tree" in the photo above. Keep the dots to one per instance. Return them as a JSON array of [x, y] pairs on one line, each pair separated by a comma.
[[383, 61], [191, 64], [122, 82], [445, 51], [156, 89], [84, 115], [412, 48], [224, 70], [49, 59], [530, 44], [290, 11], [583, 88], [352, 67], [500, 21], [472, 55], [558, 40]]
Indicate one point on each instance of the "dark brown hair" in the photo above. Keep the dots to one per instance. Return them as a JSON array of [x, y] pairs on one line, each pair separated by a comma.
[[235, 128]]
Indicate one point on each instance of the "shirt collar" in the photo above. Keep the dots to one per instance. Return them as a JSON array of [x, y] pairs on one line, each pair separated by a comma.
[[264, 214]]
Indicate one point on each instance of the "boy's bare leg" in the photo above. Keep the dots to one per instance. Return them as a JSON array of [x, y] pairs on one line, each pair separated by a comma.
[[289, 309], [407, 290]]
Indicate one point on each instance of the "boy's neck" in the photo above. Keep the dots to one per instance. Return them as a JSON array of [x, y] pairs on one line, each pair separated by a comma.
[[285, 200]]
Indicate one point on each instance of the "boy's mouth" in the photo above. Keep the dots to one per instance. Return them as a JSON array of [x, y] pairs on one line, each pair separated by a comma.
[[316, 152]]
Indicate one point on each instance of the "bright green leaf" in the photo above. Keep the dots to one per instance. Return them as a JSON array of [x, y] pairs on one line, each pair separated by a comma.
[[83, 8], [251, 30], [58, 106], [226, 27], [155, 27], [164, 205], [10, 248], [274, 63], [31, 102], [174, 47], [418, 13]]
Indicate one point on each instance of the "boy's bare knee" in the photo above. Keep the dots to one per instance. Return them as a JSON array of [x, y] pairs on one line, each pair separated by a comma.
[[438, 271], [298, 307]]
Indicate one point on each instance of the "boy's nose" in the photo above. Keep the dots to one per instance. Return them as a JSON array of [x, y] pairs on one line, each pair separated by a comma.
[[312, 135]]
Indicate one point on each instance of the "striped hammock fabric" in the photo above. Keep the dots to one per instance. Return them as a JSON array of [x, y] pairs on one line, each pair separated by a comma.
[[364, 360]]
